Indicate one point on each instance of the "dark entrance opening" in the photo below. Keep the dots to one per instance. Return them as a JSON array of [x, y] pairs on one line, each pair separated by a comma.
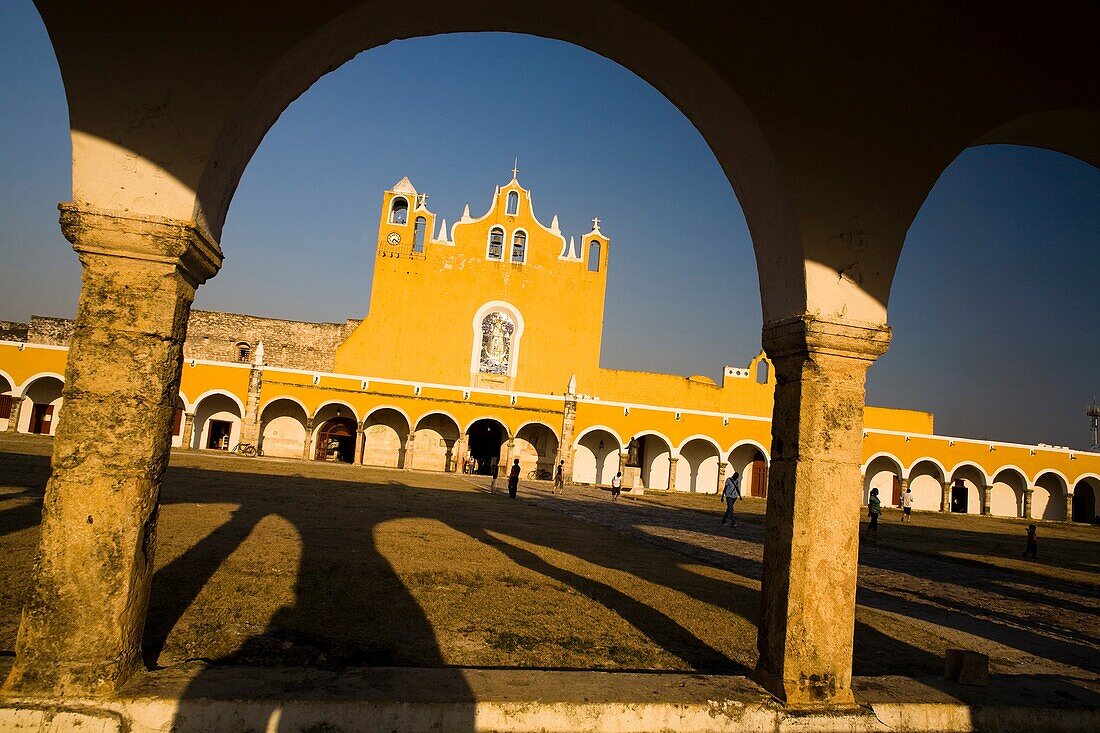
[[486, 438], [217, 437], [759, 486], [1084, 503], [897, 491], [41, 417], [336, 441], [960, 503]]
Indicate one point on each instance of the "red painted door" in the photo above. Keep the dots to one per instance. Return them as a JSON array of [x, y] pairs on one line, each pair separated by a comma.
[[759, 486], [41, 419]]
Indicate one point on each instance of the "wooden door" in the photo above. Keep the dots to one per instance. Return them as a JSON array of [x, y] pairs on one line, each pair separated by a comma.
[[759, 486], [897, 491], [41, 418]]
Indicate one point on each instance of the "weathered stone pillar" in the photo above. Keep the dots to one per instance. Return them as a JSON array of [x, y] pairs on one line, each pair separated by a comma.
[[461, 446], [672, 461], [1027, 501], [811, 537], [506, 464], [568, 428], [1069, 506], [410, 441], [360, 442], [13, 418], [987, 499], [307, 443], [250, 425], [188, 434], [721, 475], [81, 628], [945, 497]]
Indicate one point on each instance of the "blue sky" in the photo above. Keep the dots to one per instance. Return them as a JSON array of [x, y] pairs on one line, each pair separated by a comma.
[[994, 305]]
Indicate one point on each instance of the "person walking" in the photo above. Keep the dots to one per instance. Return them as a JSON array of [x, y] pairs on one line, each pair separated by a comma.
[[731, 492], [513, 479], [1032, 547], [874, 508], [559, 478], [907, 506], [616, 486]]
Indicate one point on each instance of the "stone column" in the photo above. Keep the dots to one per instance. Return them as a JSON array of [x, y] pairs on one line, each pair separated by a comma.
[[461, 446], [307, 443], [81, 628], [945, 498], [1027, 501], [1069, 506], [568, 428], [506, 463], [188, 434], [360, 442], [409, 445], [721, 475], [250, 425], [987, 499], [672, 461], [811, 537], [13, 418]]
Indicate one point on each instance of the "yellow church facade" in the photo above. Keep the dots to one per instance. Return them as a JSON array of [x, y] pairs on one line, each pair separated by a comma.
[[482, 345]]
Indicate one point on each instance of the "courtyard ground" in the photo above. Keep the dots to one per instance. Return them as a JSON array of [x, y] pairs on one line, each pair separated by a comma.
[[264, 562]]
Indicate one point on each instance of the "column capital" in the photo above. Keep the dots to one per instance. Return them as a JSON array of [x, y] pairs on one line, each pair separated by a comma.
[[815, 334], [182, 244]]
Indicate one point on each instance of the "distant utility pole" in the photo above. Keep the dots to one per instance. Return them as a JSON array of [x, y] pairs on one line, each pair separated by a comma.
[[1093, 411]]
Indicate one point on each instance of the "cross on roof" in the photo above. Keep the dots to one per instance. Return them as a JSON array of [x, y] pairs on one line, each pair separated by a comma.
[[423, 199], [595, 223], [515, 169]]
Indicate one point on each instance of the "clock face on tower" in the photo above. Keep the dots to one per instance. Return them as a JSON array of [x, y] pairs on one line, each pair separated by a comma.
[[394, 238]]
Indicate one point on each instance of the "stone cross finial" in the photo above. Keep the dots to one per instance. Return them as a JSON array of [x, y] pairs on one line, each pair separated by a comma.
[[572, 384], [595, 223], [422, 200], [258, 359], [515, 169]]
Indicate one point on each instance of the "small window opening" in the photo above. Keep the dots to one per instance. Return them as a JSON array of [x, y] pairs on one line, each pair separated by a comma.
[[419, 230], [244, 353], [496, 244], [519, 247], [399, 211], [762, 368], [513, 203], [594, 256]]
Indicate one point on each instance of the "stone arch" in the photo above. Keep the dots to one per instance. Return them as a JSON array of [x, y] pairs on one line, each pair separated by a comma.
[[431, 445], [334, 408], [968, 484], [224, 393], [926, 476], [40, 403], [697, 469], [385, 431], [751, 460], [217, 421], [336, 439], [655, 452], [596, 455], [486, 438], [1085, 491], [1048, 496], [283, 427], [883, 471], [1007, 492], [8, 397], [536, 447]]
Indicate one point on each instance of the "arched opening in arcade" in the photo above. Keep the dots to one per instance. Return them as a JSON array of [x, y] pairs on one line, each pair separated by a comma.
[[485, 443], [7, 401], [336, 428], [751, 462], [40, 406], [536, 447], [1006, 494], [431, 447], [697, 469], [283, 429], [968, 483], [1048, 498], [926, 479], [654, 452], [884, 473], [217, 422], [1084, 499], [596, 457], [386, 431]]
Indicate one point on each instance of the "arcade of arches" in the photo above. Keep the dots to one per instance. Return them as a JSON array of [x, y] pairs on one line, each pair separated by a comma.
[[160, 141]]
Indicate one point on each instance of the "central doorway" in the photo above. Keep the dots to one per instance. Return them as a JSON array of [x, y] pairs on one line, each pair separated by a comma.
[[336, 441], [486, 439]]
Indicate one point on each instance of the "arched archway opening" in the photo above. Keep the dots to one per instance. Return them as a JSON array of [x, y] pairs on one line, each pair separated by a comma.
[[967, 484], [697, 469], [336, 440], [1084, 500], [7, 401], [654, 452], [926, 482], [41, 405], [1048, 498], [596, 457], [883, 473], [283, 429], [218, 423], [431, 447], [1006, 496], [386, 431], [536, 447], [486, 439], [752, 464]]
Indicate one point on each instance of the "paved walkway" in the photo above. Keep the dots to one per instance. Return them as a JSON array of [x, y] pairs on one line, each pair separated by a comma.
[[1026, 624]]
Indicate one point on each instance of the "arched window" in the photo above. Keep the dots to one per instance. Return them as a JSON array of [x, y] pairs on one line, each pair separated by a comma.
[[762, 368], [513, 203], [496, 243], [594, 256], [419, 230], [244, 352], [497, 329], [399, 211], [519, 247]]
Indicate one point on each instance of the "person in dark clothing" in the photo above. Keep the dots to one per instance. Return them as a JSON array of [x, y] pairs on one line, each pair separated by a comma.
[[1032, 547], [513, 479]]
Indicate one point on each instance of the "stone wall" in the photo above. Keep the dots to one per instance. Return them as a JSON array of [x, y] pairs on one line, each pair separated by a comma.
[[216, 336]]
